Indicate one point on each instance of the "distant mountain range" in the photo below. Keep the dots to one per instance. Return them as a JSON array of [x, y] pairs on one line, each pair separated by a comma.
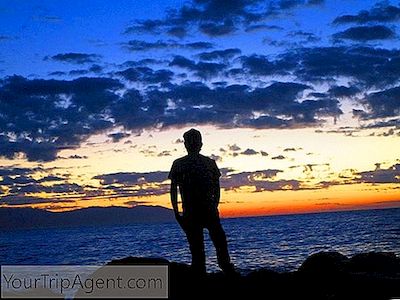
[[14, 218]]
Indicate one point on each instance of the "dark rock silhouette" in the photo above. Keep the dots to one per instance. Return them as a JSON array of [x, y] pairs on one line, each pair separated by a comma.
[[383, 263], [325, 275], [324, 264]]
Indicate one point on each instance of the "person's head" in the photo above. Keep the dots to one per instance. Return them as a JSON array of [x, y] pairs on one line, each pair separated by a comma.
[[193, 141]]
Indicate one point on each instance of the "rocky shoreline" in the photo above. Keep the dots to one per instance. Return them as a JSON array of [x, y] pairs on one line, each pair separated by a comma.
[[324, 275]]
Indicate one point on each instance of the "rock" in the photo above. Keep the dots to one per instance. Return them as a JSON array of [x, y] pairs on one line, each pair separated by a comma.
[[324, 275], [325, 263], [378, 262]]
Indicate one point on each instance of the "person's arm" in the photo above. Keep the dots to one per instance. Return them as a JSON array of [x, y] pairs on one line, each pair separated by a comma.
[[216, 186], [217, 193], [174, 201], [174, 196]]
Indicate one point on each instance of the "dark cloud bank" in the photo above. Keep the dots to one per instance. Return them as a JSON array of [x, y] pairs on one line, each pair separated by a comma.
[[20, 183], [75, 58], [217, 17], [40, 117]]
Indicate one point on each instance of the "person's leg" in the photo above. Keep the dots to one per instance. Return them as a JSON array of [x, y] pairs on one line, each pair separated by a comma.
[[195, 238], [218, 238]]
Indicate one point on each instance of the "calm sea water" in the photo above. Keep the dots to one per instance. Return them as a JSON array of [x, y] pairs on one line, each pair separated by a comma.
[[276, 242]]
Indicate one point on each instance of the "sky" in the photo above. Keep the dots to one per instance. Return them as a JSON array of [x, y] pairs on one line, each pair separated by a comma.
[[298, 102]]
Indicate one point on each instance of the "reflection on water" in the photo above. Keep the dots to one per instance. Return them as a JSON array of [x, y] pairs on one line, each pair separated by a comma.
[[277, 242]]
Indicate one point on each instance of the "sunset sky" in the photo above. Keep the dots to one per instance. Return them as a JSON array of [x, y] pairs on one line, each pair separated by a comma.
[[298, 102]]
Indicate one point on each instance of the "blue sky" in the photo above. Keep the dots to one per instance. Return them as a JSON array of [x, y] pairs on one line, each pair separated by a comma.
[[34, 29]]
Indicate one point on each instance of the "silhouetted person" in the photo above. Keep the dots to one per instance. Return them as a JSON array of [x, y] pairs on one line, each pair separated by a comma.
[[197, 177]]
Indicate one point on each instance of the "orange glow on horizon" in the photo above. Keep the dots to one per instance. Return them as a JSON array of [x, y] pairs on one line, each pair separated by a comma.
[[244, 204], [333, 159]]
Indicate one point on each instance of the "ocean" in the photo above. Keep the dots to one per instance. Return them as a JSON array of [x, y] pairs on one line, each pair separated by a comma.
[[279, 243]]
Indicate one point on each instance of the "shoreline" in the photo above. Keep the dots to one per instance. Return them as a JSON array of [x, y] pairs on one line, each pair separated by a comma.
[[324, 275]]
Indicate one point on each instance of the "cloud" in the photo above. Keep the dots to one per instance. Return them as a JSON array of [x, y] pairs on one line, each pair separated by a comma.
[[389, 132], [96, 69], [220, 54], [279, 157], [259, 27], [382, 124], [79, 72], [164, 153], [57, 114], [57, 73], [61, 114], [382, 12], [381, 104], [364, 66], [234, 150], [199, 45], [19, 185], [149, 151], [14, 177], [133, 203], [118, 136], [17, 171], [146, 75], [231, 180], [234, 147], [27, 190], [249, 151], [214, 17], [74, 156], [315, 2], [234, 106], [140, 63], [74, 58], [139, 45], [50, 178], [177, 31], [134, 184], [210, 17], [216, 157], [24, 185], [290, 4], [380, 176], [144, 26], [343, 91], [34, 188], [200, 69], [263, 180], [179, 141], [366, 33], [132, 178], [262, 66], [306, 37], [218, 29], [23, 189], [291, 149]]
